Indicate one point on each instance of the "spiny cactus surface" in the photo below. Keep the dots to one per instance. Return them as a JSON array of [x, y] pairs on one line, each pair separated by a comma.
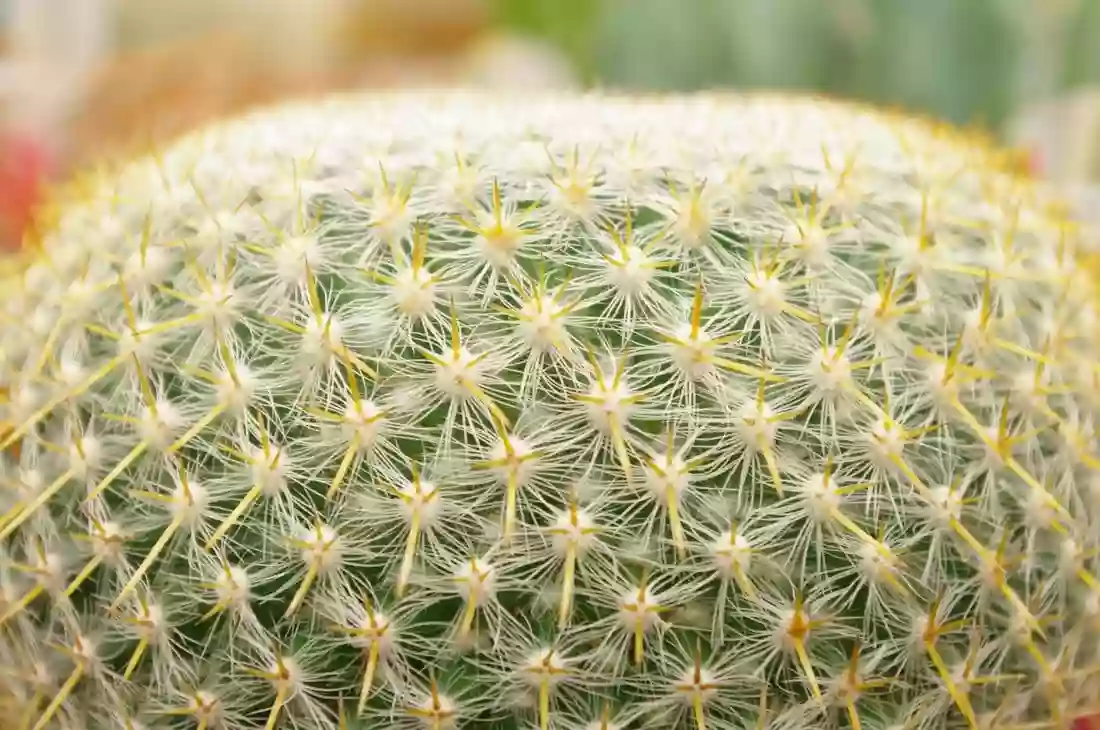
[[443, 410]]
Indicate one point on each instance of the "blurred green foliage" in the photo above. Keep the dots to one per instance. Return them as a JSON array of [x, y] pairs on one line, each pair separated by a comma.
[[1083, 47], [569, 24], [962, 60]]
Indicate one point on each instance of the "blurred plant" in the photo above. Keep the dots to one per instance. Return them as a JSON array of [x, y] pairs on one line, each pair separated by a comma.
[[569, 24], [973, 61]]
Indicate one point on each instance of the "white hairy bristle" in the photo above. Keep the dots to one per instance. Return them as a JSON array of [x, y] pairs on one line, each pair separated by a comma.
[[437, 410]]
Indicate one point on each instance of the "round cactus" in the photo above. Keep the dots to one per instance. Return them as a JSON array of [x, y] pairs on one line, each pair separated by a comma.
[[446, 410]]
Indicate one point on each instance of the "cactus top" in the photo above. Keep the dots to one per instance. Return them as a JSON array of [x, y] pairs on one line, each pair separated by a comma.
[[446, 410]]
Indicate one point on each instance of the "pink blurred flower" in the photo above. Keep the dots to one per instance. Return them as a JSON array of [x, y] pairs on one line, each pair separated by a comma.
[[1090, 722], [24, 167]]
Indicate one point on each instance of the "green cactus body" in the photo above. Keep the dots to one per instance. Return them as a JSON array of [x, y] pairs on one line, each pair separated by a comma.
[[444, 410]]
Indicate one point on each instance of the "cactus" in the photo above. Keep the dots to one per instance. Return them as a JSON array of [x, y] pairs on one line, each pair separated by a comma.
[[447, 410]]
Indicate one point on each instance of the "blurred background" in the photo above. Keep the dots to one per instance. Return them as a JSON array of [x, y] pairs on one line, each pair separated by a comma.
[[84, 80]]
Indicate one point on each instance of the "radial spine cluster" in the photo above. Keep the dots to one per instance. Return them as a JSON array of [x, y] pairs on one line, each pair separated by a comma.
[[437, 410]]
